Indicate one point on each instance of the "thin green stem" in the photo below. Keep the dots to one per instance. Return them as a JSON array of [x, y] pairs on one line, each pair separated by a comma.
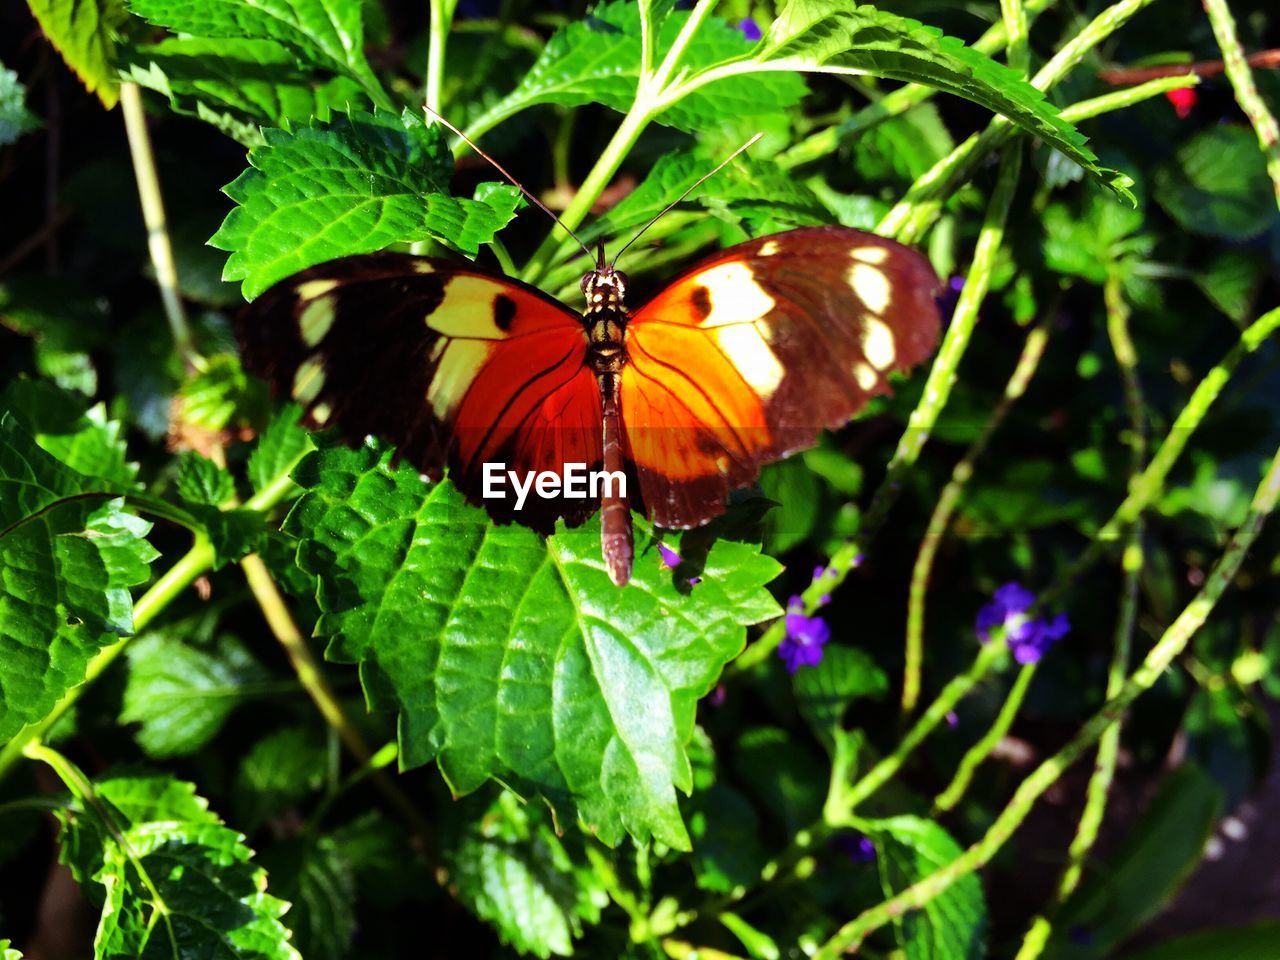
[[1014, 16], [1150, 484], [437, 44], [1028, 363], [313, 680], [1170, 645], [1128, 97], [989, 655], [153, 215], [978, 753], [195, 562], [936, 392], [1241, 77]]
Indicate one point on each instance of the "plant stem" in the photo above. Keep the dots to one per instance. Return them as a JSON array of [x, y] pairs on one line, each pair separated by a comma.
[[1241, 77], [1172, 643], [1028, 362], [1014, 17], [313, 680], [1095, 106], [989, 654], [171, 583], [979, 752], [437, 42], [158, 244]]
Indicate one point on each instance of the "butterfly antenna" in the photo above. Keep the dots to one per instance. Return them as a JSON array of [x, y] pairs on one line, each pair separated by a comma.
[[514, 182], [694, 186]]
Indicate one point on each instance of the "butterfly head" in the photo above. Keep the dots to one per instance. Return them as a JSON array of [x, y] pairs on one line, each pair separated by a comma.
[[604, 289]]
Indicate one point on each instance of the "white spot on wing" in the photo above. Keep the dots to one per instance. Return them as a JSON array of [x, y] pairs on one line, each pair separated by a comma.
[[423, 266], [307, 381], [769, 248], [748, 352], [459, 364], [865, 376], [317, 317], [877, 343], [467, 309], [734, 294], [871, 286], [315, 288], [872, 255]]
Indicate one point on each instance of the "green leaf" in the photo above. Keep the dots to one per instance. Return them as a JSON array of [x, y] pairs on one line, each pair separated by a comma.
[[511, 870], [173, 880], [793, 789], [8, 953], [84, 32], [515, 657], [352, 186], [66, 566], [65, 322], [201, 481], [279, 770], [825, 691], [15, 118], [727, 849], [1213, 184], [1257, 942], [1231, 280], [324, 33], [901, 148], [220, 395], [1157, 855], [182, 694], [279, 447], [79, 436], [951, 925], [312, 875], [597, 60], [797, 495], [821, 37], [239, 85]]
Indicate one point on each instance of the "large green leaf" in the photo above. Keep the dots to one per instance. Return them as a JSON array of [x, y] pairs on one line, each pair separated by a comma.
[[79, 436], [326, 33], [1213, 184], [511, 869], [278, 771], [823, 37], [952, 924], [239, 85], [173, 880], [1261, 941], [597, 60], [515, 657], [182, 694], [352, 186], [84, 33], [311, 873], [66, 566]]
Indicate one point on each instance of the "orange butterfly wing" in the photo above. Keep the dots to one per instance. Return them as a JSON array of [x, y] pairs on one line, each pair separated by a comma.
[[454, 365], [747, 356]]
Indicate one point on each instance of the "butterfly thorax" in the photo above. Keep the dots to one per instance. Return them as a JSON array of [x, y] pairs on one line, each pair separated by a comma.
[[605, 318]]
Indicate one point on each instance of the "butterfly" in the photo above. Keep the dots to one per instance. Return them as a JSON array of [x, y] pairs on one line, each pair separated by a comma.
[[739, 361]]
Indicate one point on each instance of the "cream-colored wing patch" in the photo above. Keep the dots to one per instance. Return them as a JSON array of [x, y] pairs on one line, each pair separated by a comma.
[[317, 316], [751, 356], [877, 343], [872, 255], [461, 362], [871, 286], [316, 288], [467, 309], [734, 295], [865, 375], [769, 248], [307, 380]]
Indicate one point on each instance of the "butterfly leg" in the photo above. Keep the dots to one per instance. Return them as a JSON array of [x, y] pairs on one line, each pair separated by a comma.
[[616, 542]]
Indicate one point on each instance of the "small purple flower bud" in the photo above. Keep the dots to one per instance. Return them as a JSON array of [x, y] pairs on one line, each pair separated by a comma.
[[953, 720], [1027, 639], [750, 30], [824, 599], [856, 846], [806, 636], [670, 559]]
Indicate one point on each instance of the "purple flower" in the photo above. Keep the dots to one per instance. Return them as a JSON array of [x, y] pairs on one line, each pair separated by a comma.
[[670, 559], [750, 29], [856, 846], [953, 720], [1028, 639], [806, 636]]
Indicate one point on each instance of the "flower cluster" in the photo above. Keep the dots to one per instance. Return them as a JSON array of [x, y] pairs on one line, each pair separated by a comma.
[[806, 636], [1028, 639]]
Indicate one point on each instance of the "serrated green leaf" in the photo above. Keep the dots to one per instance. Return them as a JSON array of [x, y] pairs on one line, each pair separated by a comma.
[[511, 869], [515, 657], [1231, 280], [325, 33], [825, 691], [278, 771], [214, 398], [281, 444], [15, 118], [597, 60], [239, 85], [352, 186], [821, 37], [903, 147], [84, 33], [311, 873], [182, 694], [951, 925], [66, 566], [78, 436], [172, 879], [201, 481], [1212, 184]]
